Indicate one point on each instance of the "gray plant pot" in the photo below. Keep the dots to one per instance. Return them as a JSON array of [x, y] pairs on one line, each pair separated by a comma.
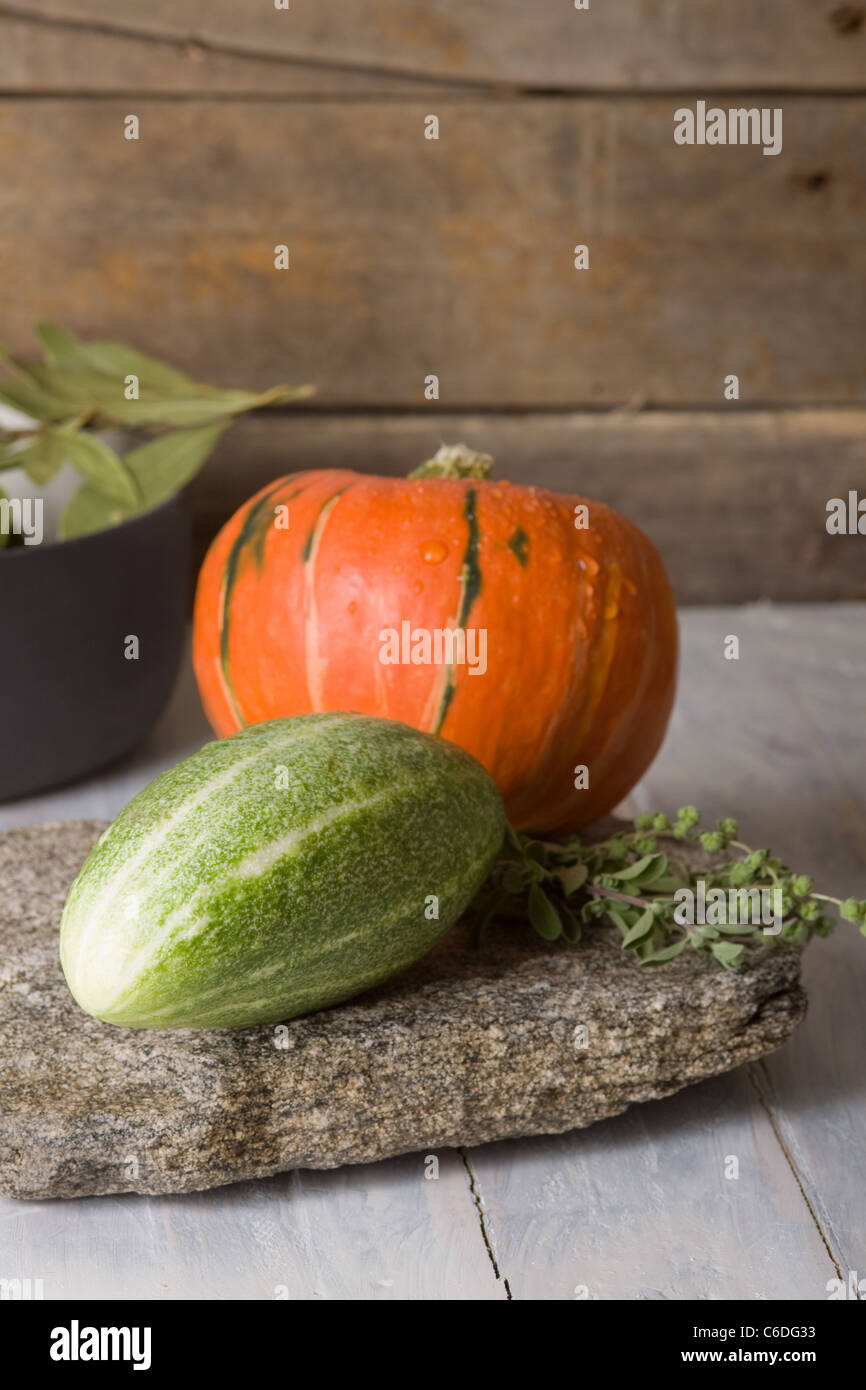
[[70, 699]]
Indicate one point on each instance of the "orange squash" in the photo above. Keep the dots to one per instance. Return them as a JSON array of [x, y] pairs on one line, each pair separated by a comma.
[[333, 590]]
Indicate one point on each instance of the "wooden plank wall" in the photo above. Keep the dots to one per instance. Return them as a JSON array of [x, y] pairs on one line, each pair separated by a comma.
[[454, 257]]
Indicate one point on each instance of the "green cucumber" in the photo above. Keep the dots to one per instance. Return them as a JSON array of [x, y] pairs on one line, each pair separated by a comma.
[[277, 872]]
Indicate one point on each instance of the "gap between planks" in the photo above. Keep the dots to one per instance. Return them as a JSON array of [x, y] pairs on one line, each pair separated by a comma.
[[757, 1074], [486, 1234], [455, 87]]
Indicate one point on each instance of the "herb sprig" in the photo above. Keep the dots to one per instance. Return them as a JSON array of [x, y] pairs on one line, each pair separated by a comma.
[[83, 387], [629, 881]]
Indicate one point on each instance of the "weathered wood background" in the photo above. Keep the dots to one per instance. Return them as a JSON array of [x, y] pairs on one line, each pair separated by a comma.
[[455, 257]]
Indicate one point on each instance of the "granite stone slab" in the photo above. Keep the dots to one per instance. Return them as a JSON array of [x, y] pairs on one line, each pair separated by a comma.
[[516, 1037]]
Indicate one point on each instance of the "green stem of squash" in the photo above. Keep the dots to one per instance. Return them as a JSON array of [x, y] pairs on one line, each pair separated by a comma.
[[454, 462]]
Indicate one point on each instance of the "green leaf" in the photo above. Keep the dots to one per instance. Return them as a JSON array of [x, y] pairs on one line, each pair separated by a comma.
[[163, 466], [79, 392], [634, 870], [180, 411], [642, 927], [512, 839], [513, 879], [43, 456], [726, 953], [31, 400], [101, 467], [89, 510], [666, 953], [615, 916], [59, 347], [654, 871], [117, 361], [543, 915], [10, 450], [572, 876], [571, 928], [114, 361], [668, 884]]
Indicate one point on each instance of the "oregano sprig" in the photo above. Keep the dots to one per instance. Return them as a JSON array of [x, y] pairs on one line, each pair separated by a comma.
[[629, 881]]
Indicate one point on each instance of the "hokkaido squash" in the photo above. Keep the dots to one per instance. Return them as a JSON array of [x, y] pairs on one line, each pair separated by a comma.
[[332, 590]]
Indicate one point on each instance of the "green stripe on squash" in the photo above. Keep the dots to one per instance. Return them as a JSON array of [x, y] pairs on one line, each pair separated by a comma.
[[277, 872]]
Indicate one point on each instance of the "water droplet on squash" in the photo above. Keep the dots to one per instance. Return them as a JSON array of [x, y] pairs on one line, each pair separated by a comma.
[[418, 587], [433, 552], [587, 563]]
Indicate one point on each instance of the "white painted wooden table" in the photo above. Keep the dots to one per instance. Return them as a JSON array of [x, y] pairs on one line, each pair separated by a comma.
[[635, 1208]]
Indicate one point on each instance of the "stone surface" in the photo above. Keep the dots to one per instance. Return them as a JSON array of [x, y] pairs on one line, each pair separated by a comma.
[[471, 1045]]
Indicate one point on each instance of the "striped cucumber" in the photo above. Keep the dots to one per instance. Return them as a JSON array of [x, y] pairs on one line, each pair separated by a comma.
[[277, 872]]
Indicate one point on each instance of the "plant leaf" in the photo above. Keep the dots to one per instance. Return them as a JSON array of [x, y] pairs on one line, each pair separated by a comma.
[[101, 467], [114, 361], [163, 466], [89, 510], [653, 872], [513, 879], [726, 953], [571, 877], [60, 348], [614, 915], [43, 456], [571, 928], [642, 927], [636, 869], [667, 885], [195, 410], [31, 400], [542, 914], [118, 361], [666, 953], [9, 452]]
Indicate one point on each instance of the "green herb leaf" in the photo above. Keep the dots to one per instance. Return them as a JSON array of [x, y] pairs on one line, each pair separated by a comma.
[[572, 877], [571, 928], [666, 953], [634, 870], [726, 953], [89, 510], [163, 466], [543, 915], [103, 470], [654, 871], [9, 453], [42, 456], [31, 400], [200, 409], [642, 927], [113, 361], [615, 916], [513, 879], [668, 884]]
